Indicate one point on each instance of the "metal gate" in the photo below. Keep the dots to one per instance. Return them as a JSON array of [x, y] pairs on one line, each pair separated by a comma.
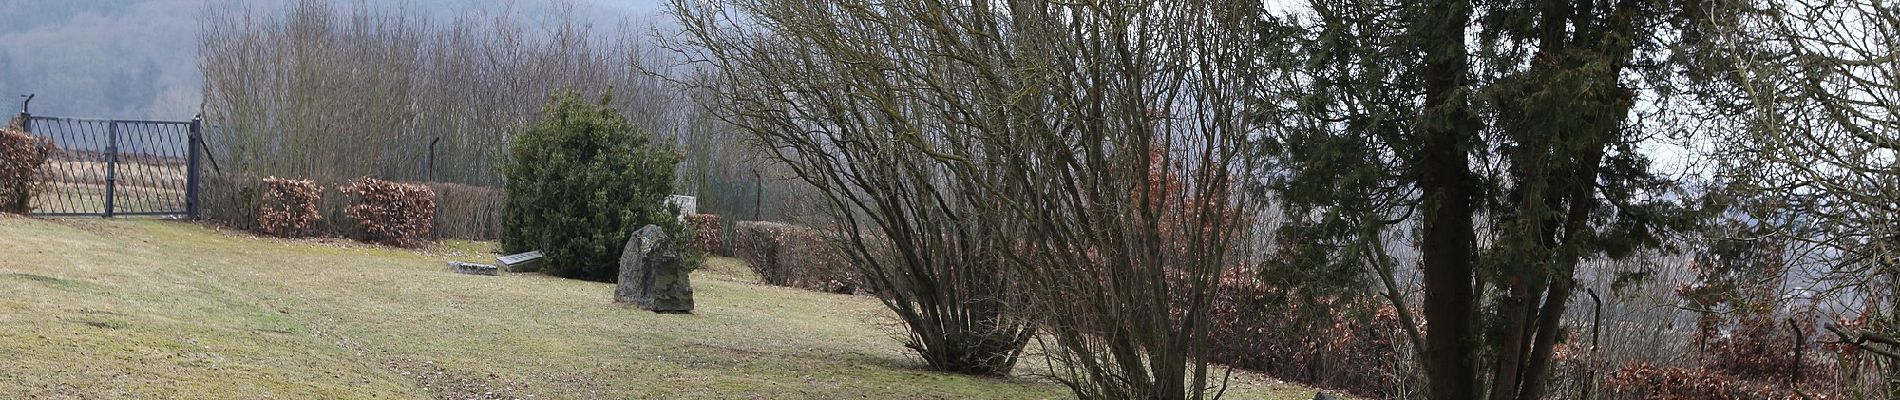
[[118, 167]]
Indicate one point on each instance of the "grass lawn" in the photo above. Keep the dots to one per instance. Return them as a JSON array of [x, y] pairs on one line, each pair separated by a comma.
[[159, 309]]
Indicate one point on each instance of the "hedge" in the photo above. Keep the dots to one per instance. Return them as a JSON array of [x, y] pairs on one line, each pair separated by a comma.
[[288, 207], [21, 155], [462, 211], [396, 214], [794, 256]]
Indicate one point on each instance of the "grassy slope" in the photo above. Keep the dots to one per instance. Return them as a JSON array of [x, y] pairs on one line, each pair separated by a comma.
[[142, 308]]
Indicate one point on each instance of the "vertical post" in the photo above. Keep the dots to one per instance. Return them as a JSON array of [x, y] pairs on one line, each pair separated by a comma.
[[1596, 327], [432, 157], [26, 113], [112, 163], [1800, 340], [193, 171], [758, 194]]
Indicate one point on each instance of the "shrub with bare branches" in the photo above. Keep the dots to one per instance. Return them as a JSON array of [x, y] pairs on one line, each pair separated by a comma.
[[794, 256]]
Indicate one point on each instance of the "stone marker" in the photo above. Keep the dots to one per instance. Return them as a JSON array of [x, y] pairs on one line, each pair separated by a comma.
[[652, 275], [524, 262], [472, 268]]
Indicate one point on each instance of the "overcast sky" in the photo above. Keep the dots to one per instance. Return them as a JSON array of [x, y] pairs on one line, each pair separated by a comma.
[[137, 59]]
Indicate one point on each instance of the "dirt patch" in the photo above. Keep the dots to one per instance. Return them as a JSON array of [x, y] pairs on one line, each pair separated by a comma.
[[447, 384]]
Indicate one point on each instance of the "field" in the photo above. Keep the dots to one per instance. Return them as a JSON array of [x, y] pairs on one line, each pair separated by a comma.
[[159, 309], [76, 183]]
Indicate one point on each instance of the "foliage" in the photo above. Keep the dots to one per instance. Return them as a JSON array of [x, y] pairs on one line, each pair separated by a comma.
[[1806, 102], [708, 234], [1014, 184], [794, 256], [327, 89], [21, 155], [288, 207], [1644, 381], [467, 211], [1738, 293], [1354, 353], [1507, 161], [397, 214], [580, 182]]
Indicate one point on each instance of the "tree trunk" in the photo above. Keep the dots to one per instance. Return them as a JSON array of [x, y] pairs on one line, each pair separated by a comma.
[[1445, 134]]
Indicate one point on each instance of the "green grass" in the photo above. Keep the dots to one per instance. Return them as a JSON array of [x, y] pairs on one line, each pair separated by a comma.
[[157, 309]]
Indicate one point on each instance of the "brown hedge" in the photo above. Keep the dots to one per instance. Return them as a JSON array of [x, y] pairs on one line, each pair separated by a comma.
[[1350, 353], [794, 256], [462, 211], [1644, 381], [21, 155], [396, 214], [288, 207], [708, 233]]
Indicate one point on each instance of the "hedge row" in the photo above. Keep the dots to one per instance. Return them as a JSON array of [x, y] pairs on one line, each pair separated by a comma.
[[794, 256], [21, 155], [460, 211]]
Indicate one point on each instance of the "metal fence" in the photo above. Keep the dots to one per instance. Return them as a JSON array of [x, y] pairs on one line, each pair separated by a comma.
[[118, 167]]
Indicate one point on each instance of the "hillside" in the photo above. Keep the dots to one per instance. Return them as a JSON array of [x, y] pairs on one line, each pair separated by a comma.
[[158, 309]]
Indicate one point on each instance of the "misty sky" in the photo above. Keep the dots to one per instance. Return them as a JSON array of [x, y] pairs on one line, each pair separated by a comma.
[[137, 59]]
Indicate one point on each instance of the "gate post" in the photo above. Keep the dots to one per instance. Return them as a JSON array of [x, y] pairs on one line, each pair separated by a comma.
[[193, 171], [112, 163]]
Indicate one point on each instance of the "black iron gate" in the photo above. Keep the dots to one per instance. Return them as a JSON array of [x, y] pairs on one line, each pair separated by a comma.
[[118, 167]]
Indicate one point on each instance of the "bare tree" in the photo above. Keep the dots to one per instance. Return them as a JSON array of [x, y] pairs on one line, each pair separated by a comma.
[[1092, 149], [1814, 90], [325, 91]]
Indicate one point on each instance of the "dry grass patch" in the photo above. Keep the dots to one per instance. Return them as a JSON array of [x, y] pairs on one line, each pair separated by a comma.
[[147, 308]]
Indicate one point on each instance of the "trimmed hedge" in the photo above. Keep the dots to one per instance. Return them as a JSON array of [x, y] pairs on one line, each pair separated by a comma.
[[396, 214], [21, 155], [708, 232], [288, 207], [462, 211], [794, 256]]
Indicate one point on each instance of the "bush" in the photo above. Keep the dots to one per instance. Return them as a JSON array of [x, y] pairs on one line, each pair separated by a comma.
[[708, 233], [396, 214], [579, 183], [794, 256], [21, 155], [467, 211], [1643, 381], [1352, 353], [289, 207]]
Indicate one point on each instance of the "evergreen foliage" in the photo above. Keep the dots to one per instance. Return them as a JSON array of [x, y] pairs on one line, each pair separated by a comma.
[[580, 182]]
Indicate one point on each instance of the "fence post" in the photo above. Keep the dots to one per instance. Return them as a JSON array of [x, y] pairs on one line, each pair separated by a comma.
[[112, 163], [26, 113], [193, 172]]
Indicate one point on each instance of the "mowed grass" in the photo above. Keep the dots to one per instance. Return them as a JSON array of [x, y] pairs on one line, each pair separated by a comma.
[[160, 309]]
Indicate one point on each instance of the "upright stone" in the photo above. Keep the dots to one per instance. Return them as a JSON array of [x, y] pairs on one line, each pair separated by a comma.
[[652, 274]]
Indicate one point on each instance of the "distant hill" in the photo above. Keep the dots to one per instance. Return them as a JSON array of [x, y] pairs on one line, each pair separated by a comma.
[[139, 58]]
